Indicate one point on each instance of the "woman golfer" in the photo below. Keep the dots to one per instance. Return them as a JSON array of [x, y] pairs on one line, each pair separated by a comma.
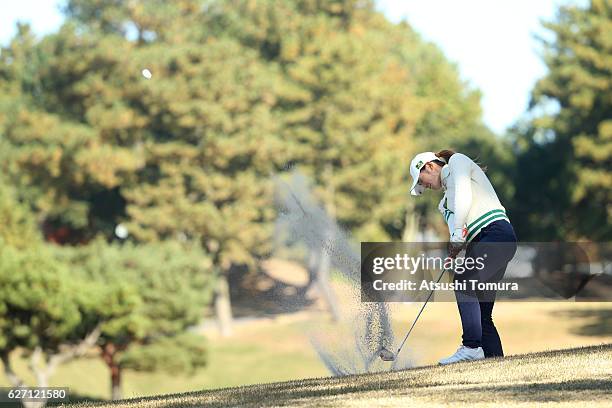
[[477, 221]]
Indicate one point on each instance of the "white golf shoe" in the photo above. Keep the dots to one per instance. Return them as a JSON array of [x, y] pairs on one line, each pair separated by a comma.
[[464, 354]]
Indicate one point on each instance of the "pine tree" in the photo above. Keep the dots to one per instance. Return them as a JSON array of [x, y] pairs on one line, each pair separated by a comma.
[[570, 149], [240, 90], [147, 297]]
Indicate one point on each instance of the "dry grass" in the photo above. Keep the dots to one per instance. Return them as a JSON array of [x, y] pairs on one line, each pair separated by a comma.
[[273, 350], [562, 378]]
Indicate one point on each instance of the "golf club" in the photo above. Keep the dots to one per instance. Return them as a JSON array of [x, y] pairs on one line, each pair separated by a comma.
[[386, 354]]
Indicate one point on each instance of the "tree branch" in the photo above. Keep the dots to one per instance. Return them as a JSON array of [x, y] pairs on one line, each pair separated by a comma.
[[35, 367], [8, 371], [74, 351]]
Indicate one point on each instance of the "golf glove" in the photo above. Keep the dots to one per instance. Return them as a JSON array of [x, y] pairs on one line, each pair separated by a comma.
[[457, 241], [458, 236]]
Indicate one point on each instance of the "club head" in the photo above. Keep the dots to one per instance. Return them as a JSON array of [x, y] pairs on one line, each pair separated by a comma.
[[386, 355]]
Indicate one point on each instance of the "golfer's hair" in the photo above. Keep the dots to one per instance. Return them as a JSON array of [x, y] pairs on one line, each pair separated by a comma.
[[445, 155]]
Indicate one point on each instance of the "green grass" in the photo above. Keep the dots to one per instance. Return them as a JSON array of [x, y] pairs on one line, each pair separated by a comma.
[[250, 356], [564, 377], [278, 350]]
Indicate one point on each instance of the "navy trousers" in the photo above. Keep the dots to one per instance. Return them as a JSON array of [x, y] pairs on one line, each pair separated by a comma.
[[495, 245]]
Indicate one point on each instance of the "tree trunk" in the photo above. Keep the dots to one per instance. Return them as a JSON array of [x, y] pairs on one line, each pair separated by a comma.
[[109, 354], [115, 382], [13, 378], [223, 306], [42, 377], [411, 226], [17, 382]]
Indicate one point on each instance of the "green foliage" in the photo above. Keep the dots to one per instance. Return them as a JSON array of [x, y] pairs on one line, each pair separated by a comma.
[[118, 301], [146, 290], [17, 224], [213, 145], [144, 20], [42, 305], [240, 90], [349, 111], [58, 158], [183, 353], [565, 151], [38, 302], [146, 296]]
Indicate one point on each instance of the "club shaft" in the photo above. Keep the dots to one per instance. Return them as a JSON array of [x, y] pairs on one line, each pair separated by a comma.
[[417, 318]]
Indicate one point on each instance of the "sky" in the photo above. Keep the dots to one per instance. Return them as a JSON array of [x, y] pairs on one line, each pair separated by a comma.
[[491, 42]]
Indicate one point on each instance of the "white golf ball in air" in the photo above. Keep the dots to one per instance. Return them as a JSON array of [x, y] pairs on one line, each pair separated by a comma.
[[121, 231], [146, 73]]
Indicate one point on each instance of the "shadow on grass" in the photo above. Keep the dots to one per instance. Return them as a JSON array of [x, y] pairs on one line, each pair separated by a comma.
[[595, 322], [281, 394], [558, 391], [426, 383], [290, 396]]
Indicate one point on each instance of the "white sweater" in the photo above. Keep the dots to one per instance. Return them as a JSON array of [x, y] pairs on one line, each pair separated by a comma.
[[469, 198]]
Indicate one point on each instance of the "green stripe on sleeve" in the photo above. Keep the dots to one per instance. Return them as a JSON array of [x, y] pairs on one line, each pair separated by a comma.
[[447, 214]]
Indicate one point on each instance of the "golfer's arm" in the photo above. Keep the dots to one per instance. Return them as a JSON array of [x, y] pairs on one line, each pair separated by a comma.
[[462, 189], [448, 215], [450, 220]]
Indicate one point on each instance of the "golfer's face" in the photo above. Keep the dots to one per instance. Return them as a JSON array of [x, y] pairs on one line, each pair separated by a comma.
[[430, 176]]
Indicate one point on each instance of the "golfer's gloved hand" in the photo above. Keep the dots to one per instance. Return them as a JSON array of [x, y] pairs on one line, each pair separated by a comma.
[[457, 241]]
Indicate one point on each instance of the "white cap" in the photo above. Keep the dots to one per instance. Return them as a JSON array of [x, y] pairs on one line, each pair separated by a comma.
[[415, 169]]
